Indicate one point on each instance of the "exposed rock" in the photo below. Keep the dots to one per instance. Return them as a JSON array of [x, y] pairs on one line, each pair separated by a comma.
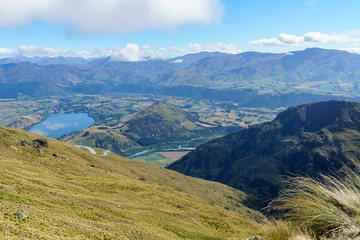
[[42, 141], [59, 156], [254, 238], [227, 208], [13, 147], [92, 165], [25, 143], [7, 134], [118, 206], [42, 151], [142, 179], [20, 215]]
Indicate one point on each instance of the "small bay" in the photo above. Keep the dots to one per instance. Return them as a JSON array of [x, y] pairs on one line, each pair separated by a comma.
[[57, 125]]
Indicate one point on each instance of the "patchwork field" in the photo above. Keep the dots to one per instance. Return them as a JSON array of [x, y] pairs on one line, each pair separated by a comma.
[[162, 159]]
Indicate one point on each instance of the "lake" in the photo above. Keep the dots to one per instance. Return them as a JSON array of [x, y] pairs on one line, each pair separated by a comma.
[[57, 125]]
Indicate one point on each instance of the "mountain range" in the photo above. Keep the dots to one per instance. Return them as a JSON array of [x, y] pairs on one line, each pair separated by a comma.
[[303, 140], [317, 72]]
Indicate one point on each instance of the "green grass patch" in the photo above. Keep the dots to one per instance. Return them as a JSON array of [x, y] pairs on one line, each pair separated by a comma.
[[17, 199], [151, 157], [187, 235], [116, 214]]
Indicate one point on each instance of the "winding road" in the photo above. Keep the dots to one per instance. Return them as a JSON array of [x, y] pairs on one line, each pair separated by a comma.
[[92, 151]]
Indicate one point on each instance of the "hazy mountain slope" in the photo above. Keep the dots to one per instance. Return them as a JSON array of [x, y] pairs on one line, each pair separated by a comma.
[[142, 67], [69, 193], [311, 64], [71, 61], [23, 72], [188, 59], [306, 139], [317, 71]]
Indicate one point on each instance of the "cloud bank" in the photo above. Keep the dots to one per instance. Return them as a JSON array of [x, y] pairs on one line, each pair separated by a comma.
[[219, 47], [308, 38], [111, 16], [131, 52]]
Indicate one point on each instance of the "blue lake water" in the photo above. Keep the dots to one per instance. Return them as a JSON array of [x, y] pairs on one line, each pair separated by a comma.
[[57, 125]]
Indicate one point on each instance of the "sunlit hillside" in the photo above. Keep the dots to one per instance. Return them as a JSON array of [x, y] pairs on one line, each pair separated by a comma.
[[68, 193]]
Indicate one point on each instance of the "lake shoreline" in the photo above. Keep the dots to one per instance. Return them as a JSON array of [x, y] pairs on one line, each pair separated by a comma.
[[60, 124]]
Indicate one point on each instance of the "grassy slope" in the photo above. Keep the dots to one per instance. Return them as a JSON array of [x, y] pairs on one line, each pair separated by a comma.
[[161, 122], [119, 199]]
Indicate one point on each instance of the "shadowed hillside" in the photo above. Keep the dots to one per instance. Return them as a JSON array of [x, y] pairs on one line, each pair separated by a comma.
[[307, 139]]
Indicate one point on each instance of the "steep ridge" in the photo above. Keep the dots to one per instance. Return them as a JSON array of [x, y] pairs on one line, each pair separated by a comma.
[[308, 139], [68, 193]]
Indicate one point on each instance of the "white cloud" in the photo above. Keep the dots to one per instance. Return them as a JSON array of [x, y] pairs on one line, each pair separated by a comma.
[[111, 16], [5, 52], [132, 52], [219, 47], [194, 47], [308, 38], [352, 50], [317, 37], [32, 50]]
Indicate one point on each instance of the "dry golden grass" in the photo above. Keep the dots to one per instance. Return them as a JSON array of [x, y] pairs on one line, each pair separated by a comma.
[[327, 208], [118, 199]]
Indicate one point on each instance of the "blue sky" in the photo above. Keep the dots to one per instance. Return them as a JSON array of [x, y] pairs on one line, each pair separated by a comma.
[[135, 29]]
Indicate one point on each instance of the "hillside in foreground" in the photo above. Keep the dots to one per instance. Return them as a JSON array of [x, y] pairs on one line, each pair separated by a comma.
[[68, 193], [307, 139]]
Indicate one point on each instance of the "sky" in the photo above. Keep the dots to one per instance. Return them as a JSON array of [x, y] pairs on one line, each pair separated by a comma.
[[135, 30]]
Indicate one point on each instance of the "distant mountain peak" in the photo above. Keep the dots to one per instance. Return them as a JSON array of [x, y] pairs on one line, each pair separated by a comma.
[[167, 111], [158, 122]]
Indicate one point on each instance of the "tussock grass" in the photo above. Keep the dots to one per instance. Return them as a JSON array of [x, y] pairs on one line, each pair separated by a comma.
[[327, 207], [65, 198], [285, 230]]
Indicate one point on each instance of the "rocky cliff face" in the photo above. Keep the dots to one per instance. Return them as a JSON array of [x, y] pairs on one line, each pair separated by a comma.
[[307, 139]]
